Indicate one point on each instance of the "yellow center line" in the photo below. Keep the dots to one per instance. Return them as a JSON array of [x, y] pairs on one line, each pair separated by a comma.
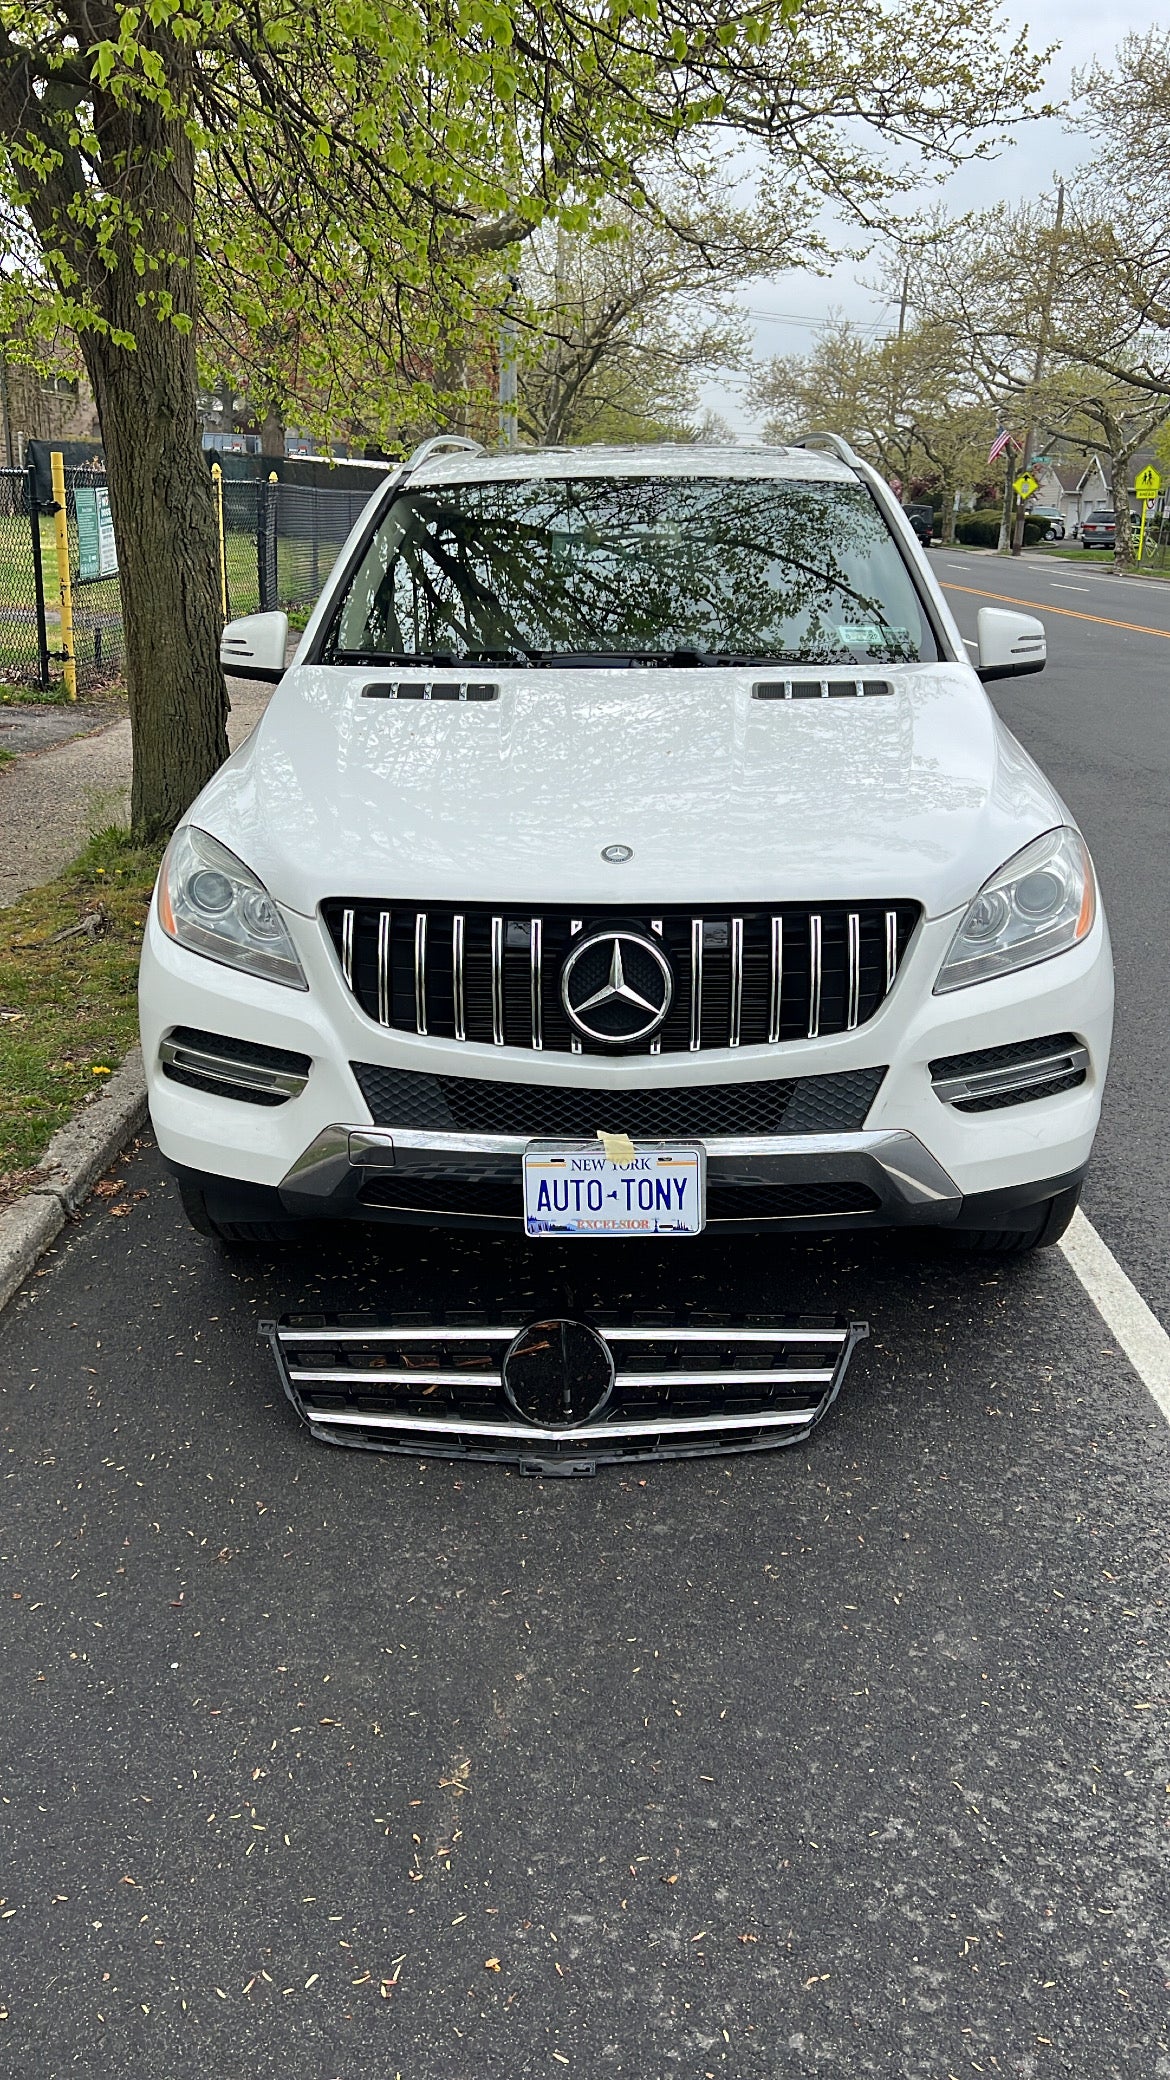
[[1073, 613]]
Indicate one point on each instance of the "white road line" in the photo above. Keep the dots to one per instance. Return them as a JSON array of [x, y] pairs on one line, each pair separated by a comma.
[[971, 643], [1121, 1308], [1058, 587]]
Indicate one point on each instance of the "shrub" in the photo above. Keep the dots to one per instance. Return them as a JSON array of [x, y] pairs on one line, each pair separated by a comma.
[[980, 530]]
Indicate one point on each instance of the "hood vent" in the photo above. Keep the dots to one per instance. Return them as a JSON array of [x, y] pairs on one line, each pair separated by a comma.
[[818, 689], [429, 690]]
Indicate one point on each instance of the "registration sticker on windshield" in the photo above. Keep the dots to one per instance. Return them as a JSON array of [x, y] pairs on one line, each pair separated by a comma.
[[868, 635], [573, 1188]]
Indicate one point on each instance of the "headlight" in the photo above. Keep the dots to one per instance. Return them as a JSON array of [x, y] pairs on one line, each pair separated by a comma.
[[209, 901], [1042, 902]]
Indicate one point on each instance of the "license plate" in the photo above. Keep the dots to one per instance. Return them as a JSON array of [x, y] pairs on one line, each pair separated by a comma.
[[573, 1188]]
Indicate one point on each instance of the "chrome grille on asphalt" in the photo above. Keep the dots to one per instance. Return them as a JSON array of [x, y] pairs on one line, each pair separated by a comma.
[[441, 1385], [746, 978]]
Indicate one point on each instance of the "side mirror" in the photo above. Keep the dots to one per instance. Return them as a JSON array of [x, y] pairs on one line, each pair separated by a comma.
[[254, 647], [1010, 645]]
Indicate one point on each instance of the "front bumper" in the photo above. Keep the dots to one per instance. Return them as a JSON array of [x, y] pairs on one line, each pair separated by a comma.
[[917, 1160], [885, 1177]]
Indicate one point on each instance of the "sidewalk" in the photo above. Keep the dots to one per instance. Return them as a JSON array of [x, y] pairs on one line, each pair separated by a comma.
[[50, 800]]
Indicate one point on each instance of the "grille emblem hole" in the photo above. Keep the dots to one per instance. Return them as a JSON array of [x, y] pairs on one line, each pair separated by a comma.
[[558, 1374]]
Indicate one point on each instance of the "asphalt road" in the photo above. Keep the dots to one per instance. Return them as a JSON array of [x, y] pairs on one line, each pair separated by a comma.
[[845, 1760], [1098, 722]]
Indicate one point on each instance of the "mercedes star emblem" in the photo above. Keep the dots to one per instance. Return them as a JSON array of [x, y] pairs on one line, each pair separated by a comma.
[[617, 855], [617, 987]]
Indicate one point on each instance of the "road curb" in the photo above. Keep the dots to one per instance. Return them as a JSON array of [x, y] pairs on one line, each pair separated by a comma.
[[76, 1157]]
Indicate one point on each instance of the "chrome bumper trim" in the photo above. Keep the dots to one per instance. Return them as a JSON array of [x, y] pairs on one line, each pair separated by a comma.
[[909, 1183]]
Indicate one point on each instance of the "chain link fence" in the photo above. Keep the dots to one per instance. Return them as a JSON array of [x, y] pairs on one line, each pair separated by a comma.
[[280, 542], [25, 539]]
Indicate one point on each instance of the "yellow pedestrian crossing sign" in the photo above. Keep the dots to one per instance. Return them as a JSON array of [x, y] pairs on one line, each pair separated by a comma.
[[1025, 484], [1147, 484]]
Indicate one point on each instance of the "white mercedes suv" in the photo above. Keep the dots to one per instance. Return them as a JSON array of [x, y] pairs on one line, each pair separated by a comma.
[[630, 848]]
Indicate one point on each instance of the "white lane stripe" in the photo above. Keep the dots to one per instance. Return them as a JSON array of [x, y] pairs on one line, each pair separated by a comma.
[[1121, 1308], [971, 643]]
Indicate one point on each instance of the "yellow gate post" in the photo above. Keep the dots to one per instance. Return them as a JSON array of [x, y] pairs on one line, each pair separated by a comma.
[[217, 484], [64, 580]]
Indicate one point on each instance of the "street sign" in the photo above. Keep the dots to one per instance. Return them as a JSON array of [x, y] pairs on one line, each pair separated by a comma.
[[1025, 484], [1147, 484]]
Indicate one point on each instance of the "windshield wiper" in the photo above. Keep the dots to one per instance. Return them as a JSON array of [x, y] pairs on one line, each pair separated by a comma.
[[408, 657], [505, 654]]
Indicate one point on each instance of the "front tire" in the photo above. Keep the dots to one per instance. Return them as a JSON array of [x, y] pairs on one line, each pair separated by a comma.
[[1050, 1219]]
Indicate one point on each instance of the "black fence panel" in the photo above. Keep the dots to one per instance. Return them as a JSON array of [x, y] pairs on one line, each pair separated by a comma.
[[281, 541], [310, 527]]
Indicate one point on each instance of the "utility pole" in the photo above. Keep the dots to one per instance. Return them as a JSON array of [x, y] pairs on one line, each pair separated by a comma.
[[897, 389], [508, 383], [1041, 357]]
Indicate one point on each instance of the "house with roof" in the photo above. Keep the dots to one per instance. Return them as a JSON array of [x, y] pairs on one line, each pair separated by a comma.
[[1071, 489]]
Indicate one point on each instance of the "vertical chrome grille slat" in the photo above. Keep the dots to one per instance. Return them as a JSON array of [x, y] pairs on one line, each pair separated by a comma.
[[505, 971], [853, 997], [814, 975], [383, 967], [535, 956], [696, 984], [457, 936], [777, 987], [498, 981], [420, 971]]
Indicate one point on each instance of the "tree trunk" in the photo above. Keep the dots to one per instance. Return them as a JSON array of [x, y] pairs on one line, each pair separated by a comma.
[[947, 530], [1124, 547], [272, 433], [160, 488]]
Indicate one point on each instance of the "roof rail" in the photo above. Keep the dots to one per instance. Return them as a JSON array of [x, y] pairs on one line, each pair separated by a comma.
[[833, 442], [443, 440]]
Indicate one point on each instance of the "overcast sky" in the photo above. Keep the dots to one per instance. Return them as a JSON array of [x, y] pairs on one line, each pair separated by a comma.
[[786, 311]]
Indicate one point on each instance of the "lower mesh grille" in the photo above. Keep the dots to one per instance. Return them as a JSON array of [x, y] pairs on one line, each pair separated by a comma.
[[501, 1199], [471, 1105]]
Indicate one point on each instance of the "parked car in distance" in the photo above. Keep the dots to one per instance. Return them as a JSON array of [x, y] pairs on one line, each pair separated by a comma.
[[1055, 522], [921, 518], [1099, 531]]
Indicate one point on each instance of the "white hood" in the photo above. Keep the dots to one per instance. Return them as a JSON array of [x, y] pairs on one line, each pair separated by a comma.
[[921, 794]]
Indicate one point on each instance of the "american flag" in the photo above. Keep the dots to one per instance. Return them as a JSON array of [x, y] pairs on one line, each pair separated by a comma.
[[1003, 439]]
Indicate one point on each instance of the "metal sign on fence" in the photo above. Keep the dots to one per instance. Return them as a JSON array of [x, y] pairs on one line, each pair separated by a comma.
[[97, 553]]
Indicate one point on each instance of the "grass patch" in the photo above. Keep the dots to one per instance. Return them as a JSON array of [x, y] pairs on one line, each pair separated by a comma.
[[68, 1009]]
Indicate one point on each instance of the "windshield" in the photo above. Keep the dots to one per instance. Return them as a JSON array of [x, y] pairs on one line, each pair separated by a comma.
[[677, 570]]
